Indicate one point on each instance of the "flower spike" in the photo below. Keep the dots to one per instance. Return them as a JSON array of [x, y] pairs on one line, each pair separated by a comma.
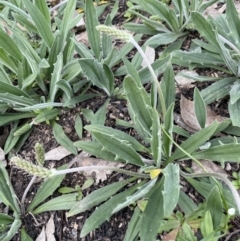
[[120, 34], [31, 168]]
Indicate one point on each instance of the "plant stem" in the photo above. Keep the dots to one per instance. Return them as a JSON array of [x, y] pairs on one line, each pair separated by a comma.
[[25, 194], [153, 75], [58, 5], [221, 177], [92, 168]]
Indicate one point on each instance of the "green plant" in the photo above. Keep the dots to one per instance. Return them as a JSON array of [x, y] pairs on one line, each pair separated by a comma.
[[162, 191], [236, 182], [220, 50], [166, 23], [38, 69], [11, 223]]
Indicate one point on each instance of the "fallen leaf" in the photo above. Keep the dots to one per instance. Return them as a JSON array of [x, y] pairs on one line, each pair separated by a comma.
[[57, 154], [2, 155], [212, 11], [41, 236], [183, 81], [50, 229], [189, 117], [171, 236], [150, 54], [209, 166], [101, 175], [83, 38]]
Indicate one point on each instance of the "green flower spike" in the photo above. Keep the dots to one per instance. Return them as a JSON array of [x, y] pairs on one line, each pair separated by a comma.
[[31, 168], [120, 34], [39, 153]]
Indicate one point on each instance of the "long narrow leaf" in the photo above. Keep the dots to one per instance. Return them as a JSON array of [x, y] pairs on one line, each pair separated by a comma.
[[62, 139], [40, 22], [91, 23], [96, 197], [194, 142]]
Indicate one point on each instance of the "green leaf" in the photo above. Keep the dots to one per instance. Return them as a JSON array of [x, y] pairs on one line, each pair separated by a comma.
[[186, 204], [234, 92], [63, 202], [100, 116], [153, 214], [13, 230], [46, 189], [206, 224], [159, 66], [96, 149], [25, 236], [133, 226], [5, 219], [141, 192], [204, 28], [12, 139], [186, 233], [104, 212], [97, 197], [41, 23], [168, 86], [234, 110], [122, 150], [95, 72], [66, 22], [217, 90], [199, 108], [228, 152], [62, 139], [168, 127], [7, 61], [131, 70], [194, 142], [56, 77], [78, 126], [163, 39], [10, 46], [215, 206], [233, 19], [46, 115], [91, 23], [122, 136], [171, 188], [43, 8], [7, 195], [139, 105], [10, 117], [156, 143]]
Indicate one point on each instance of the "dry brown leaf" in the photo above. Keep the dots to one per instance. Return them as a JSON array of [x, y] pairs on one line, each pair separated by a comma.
[[41, 236], [209, 166], [189, 117], [171, 236], [150, 54], [185, 82], [83, 38], [2, 155], [50, 229], [57, 154], [100, 174], [212, 11]]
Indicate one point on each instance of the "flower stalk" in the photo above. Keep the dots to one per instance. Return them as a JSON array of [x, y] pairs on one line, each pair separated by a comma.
[[45, 173], [129, 38]]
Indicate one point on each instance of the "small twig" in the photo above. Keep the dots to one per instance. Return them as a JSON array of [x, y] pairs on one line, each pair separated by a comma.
[[25, 194], [230, 235], [58, 5]]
